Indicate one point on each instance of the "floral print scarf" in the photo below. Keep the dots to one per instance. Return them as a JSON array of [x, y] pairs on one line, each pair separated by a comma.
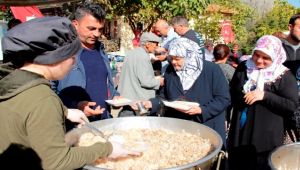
[[272, 46]]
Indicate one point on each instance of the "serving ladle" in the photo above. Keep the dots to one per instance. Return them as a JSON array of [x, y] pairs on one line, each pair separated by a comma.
[[140, 146], [95, 130]]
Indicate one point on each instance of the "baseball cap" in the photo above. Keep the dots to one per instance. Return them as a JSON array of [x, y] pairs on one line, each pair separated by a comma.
[[150, 37]]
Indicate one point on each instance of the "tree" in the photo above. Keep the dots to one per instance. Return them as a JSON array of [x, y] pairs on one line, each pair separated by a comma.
[[276, 20], [148, 11], [234, 10], [5, 13]]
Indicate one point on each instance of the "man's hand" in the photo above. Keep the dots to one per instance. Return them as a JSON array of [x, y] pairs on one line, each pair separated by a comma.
[[161, 57], [253, 96], [85, 106], [147, 104], [134, 106]]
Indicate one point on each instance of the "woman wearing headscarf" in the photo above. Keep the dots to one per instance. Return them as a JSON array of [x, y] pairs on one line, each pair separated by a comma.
[[193, 79], [263, 93]]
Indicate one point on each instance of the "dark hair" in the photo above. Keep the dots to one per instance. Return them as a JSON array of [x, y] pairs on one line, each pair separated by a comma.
[[13, 22], [221, 51], [180, 20], [294, 18], [92, 9]]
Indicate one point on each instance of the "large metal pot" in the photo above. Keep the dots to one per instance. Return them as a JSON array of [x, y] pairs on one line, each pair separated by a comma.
[[286, 157], [176, 125]]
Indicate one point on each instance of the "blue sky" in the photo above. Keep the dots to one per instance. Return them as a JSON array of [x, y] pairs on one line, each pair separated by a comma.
[[296, 3]]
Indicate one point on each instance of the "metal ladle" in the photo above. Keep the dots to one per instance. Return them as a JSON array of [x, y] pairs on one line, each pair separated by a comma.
[[94, 129], [140, 146]]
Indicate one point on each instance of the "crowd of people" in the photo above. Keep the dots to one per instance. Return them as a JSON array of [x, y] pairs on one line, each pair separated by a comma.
[[57, 75]]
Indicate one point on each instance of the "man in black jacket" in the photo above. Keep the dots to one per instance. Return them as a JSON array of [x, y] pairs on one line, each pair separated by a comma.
[[181, 27], [292, 43]]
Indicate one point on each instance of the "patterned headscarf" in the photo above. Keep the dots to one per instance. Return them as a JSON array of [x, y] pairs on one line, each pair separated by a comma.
[[190, 51], [272, 46]]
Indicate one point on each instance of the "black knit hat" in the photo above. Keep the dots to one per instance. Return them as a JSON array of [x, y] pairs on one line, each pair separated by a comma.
[[45, 40]]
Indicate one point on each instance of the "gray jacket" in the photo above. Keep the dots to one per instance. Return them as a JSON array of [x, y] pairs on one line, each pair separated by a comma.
[[137, 81]]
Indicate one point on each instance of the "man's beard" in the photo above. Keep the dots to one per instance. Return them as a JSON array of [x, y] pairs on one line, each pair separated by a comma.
[[295, 38]]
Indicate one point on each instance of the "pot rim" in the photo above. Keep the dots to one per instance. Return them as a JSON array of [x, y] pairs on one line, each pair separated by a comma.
[[270, 162], [210, 156]]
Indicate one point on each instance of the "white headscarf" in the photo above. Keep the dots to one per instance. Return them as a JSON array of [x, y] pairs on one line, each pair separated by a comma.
[[272, 46], [190, 51]]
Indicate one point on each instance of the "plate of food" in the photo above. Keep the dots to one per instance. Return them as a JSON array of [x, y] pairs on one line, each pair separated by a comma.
[[183, 105], [119, 102]]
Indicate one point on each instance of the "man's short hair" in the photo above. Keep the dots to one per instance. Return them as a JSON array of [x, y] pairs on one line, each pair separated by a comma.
[[180, 20], [221, 51], [294, 18], [92, 9]]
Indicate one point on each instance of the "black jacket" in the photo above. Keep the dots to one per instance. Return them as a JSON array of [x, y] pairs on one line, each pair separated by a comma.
[[264, 127], [292, 56]]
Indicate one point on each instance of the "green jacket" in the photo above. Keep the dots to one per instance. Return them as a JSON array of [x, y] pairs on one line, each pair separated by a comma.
[[32, 115]]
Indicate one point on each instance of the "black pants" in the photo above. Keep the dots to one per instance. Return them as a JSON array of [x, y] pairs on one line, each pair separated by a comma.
[[246, 158]]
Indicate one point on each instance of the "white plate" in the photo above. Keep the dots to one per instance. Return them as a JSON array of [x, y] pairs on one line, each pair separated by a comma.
[[183, 105], [119, 102]]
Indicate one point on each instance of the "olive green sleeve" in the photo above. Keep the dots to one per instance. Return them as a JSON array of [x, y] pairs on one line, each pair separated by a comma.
[[45, 129], [65, 110]]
